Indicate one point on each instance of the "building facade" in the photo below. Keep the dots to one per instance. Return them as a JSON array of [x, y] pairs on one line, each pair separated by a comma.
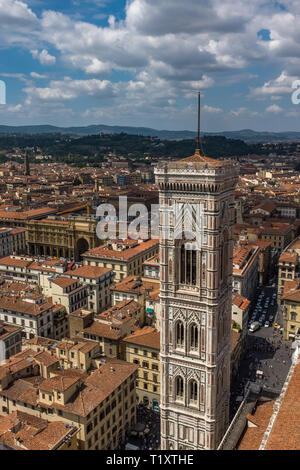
[[196, 296]]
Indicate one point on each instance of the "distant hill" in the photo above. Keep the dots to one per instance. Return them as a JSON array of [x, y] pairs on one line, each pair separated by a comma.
[[247, 135]]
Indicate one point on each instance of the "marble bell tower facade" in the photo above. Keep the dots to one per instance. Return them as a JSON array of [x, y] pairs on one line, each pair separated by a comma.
[[196, 298]]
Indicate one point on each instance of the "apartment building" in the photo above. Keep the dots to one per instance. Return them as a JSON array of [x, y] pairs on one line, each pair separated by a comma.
[[143, 348], [109, 327], [135, 288], [68, 292], [101, 405], [290, 301], [124, 257], [288, 265], [245, 270], [152, 267], [32, 312], [23, 431], [98, 281], [30, 269], [240, 313], [77, 354], [12, 241], [279, 234], [11, 339]]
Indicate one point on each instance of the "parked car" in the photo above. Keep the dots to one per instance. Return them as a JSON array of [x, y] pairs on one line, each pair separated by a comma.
[[254, 326], [267, 324]]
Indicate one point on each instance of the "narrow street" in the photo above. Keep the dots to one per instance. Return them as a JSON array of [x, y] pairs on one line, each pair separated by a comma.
[[267, 357]]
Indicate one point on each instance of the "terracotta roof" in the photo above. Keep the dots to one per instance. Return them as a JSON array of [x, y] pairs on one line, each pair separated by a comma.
[[59, 383], [240, 301], [146, 336], [123, 255], [7, 330], [285, 434], [18, 305], [198, 159], [15, 261], [23, 431], [102, 330], [98, 386], [135, 285], [252, 438], [64, 282], [292, 295], [92, 272]]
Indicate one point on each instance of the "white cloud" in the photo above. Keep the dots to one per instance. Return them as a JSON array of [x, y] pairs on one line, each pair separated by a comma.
[[274, 108], [238, 112], [44, 57], [17, 23], [212, 110], [69, 89], [37, 75], [274, 88]]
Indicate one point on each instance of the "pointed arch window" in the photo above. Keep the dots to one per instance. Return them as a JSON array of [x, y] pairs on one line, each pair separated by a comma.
[[179, 334], [179, 387], [193, 391], [188, 265], [194, 337], [224, 257]]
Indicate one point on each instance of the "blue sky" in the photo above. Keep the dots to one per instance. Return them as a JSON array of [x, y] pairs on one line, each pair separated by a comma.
[[142, 62]]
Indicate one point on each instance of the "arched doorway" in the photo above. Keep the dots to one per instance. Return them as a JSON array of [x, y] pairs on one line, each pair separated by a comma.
[[81, 246]]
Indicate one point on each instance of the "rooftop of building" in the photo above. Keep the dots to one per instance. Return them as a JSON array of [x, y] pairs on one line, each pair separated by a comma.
[[106, 251], [90, 272], [240, 301], [22, 431], [259, 420], [16, 303], [198, 160], [285, 433], [147, 336], [7, 330], [135, 285]]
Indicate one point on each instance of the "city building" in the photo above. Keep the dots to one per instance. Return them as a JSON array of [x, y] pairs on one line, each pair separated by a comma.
[[102, 405], [245, 270], [12, 241], [290, 302], [152, 267], [135, 288], [109, 327], [196, 298], [11, 338], [288, 265], [77, 354], [99, 282], [124, 257], [240, 313], [61, 237], [33, 312], [68, 292], [142, 348], [23, 431]]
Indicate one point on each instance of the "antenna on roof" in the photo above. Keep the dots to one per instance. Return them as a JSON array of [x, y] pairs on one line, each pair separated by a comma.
[[198, 136]]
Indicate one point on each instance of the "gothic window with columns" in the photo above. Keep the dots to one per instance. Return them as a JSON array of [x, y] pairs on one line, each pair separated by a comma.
[[179, 388], [194, 337], [224, 256], [179, 334], [188, 265], [193, 392]]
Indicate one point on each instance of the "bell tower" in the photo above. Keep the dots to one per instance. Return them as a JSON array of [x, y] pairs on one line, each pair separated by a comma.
[[196, 197]]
